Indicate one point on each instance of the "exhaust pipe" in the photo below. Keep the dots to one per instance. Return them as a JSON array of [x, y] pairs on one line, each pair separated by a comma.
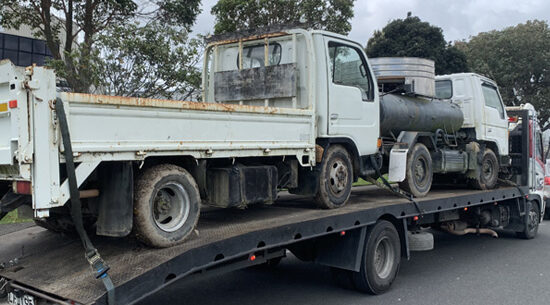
[[459, 228]]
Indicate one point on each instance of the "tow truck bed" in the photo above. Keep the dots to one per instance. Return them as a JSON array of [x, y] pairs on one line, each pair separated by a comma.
[[53, 266]]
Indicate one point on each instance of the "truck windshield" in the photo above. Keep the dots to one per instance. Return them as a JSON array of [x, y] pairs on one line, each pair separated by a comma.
[[443, 89]]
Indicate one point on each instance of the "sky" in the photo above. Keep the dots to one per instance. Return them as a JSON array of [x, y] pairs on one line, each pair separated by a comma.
[[459, 19]]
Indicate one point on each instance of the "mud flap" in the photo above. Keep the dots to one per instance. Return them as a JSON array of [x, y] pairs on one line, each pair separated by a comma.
[[398, 165], [342, 251], [116, 199]]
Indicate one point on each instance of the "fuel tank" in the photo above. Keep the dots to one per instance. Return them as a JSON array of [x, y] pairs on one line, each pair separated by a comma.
[[404, 113]]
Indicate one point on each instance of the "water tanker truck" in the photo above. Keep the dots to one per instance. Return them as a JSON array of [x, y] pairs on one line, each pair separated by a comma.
[[454, 127], [286, 109]]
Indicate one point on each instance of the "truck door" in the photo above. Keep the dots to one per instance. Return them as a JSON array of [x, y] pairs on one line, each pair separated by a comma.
[[353, 102], [496, 124]]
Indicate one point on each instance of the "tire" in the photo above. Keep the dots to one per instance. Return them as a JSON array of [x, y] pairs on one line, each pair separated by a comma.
[[532, 226], [419, 175], [380, 261], [488, 173], [421, 241], [166, 206], [335, 179]]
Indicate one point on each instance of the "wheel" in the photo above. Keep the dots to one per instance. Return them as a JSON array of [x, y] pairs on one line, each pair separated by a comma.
[[419, 176], [488, 173], [532, 223], [335, 179], [421, 241], [380, 261], [166, 205]]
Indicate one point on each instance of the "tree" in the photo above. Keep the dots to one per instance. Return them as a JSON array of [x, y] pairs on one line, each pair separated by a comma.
[[151, 60], [411, 37], [71, 28], [517, 58], [331, 15]]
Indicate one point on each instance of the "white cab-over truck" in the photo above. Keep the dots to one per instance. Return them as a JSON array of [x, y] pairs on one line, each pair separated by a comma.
[[291, 109]]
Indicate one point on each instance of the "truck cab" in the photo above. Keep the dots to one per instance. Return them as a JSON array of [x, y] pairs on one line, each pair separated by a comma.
[[482, 106], [528, 167]]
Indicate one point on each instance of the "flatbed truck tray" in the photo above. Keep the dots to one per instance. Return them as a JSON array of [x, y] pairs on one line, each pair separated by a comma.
[[53, 267]]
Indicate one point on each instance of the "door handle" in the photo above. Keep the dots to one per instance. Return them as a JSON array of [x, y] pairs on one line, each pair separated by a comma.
[[490, 129], [334, 116]]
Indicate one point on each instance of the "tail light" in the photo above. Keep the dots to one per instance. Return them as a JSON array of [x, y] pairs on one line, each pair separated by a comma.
[[22, 187], [12, 104], [546, 180]]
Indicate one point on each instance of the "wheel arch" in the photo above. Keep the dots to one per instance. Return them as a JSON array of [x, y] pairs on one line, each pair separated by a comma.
[[493, 146], [349, 145]]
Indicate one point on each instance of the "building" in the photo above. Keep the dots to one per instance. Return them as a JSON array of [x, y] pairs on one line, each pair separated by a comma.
[[22, 48]]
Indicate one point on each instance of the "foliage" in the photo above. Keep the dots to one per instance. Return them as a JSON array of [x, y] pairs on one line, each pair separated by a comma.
[[13, 217], [152, 60], [518, 59], [331, 15], [411, 37], [71, 28]]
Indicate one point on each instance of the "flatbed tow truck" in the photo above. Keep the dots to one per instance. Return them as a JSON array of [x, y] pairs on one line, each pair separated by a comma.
[[51, 268], [363, 241]]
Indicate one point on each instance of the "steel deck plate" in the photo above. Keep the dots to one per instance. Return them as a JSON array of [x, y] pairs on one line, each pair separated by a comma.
[[55, 264]]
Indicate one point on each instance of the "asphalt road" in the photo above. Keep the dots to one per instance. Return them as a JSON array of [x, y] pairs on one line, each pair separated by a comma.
[[461, 270]]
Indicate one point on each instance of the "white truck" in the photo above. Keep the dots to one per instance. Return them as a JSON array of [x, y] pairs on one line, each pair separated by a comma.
[[279, 114], [278, 111]]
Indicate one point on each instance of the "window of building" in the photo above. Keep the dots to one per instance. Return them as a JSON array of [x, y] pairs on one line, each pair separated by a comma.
[[23, 51]]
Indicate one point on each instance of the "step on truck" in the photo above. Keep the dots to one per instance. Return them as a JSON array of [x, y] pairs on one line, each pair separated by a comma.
[[295, 109], [279, 112]]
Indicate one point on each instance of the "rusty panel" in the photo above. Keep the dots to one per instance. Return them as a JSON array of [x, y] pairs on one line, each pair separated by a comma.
[[174, 104], [255, 84]]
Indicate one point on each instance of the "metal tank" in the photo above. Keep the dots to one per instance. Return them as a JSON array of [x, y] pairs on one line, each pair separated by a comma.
[[404, 113], [413, 108], [417, 74]]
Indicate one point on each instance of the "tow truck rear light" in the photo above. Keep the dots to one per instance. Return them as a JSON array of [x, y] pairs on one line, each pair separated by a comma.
[[513, 119], [22, 187], [12, 104], [546, 180]]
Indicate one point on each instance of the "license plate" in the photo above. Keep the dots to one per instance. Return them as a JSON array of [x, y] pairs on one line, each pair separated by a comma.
[[20, 299]]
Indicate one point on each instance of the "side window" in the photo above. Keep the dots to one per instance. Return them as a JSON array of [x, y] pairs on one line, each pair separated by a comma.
[[443, 89], [349, 68], [492, 99]]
